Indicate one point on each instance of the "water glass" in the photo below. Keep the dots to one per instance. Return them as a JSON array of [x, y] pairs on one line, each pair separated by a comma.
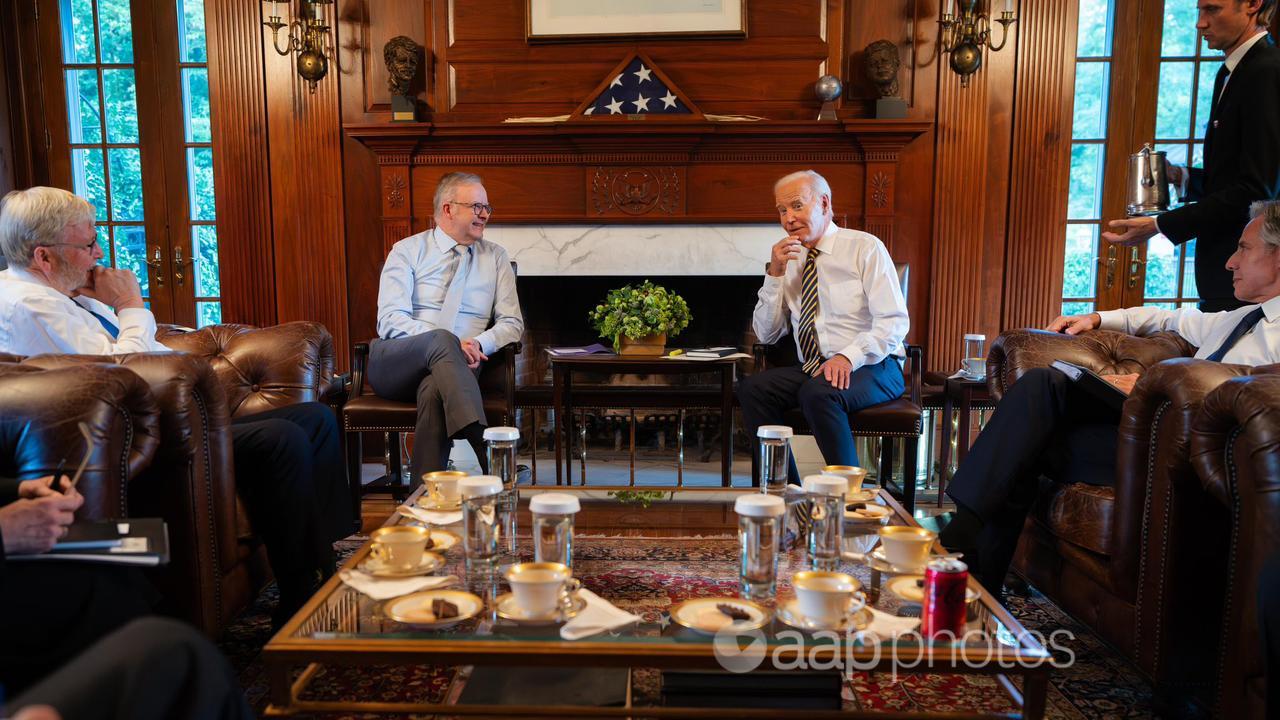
[[500, 448], [826, 519], [553, 527], [759, 528], [481, 521], [774, 455]]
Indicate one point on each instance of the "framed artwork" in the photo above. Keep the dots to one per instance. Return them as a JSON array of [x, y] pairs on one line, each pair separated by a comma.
[[550, 20]]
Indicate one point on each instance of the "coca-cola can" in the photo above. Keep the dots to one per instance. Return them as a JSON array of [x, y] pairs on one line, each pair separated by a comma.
[[945, 580]]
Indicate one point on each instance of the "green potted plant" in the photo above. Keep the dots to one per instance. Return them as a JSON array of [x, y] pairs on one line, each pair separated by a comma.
[[640, 319]]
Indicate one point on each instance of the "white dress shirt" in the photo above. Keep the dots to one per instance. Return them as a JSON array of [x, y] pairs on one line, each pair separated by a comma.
[[1207, 331], [861, 312], [36, 319], [416, 278]]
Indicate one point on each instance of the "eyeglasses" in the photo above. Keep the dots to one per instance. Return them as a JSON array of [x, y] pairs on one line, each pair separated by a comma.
[[476, 208], [87, 247]]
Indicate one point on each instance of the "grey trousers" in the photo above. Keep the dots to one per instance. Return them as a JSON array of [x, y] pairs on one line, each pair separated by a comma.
[[431, 370]]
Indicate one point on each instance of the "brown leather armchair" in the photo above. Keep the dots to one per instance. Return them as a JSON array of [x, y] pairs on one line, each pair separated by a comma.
[[1127, 559], [40, 412], [1234, 449], [217, 565]]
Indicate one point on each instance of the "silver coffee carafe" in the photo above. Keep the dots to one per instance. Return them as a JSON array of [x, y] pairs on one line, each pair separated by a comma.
[[1148, 183]]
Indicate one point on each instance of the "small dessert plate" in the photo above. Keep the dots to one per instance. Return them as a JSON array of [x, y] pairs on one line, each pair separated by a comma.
[[869, 512], [507, 609], [415, 609], [910, 588], [430, 561], [702, 615], [443, 540], [789, 613], [862, 496]]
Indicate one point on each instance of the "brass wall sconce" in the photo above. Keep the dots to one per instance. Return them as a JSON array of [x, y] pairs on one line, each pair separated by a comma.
[[965, 36], [308, 35]]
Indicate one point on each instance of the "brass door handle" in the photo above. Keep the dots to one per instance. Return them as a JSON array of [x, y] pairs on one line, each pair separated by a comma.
[[156, 264], [178, 262], [1110, 262], [1135, 266]]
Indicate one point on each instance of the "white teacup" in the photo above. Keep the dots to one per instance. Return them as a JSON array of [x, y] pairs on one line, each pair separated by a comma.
[[442, 487], [853, 475], [541, 588], [974, 367], [825, 597], [399, 547], [906, 547]]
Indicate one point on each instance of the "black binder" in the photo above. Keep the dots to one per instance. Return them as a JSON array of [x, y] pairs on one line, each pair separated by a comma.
[[1090, 382]]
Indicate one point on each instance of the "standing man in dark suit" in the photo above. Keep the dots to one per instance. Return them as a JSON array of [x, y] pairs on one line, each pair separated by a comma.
[[1241, 149]]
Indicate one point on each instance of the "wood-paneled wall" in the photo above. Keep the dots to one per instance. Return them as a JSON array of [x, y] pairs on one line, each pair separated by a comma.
[[978, 209]]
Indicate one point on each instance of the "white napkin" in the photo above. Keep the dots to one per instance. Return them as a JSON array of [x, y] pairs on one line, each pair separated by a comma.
[[431, 517], [598, 616], [383, 588], [886, 626]]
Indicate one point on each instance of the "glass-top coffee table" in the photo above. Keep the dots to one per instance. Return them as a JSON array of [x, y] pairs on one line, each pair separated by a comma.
[[646, 576]]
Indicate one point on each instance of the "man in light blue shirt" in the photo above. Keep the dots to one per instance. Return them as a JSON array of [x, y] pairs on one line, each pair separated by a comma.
[[446, 300]]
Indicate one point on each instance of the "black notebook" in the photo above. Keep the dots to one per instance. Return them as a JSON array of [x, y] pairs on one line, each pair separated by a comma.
[[133, 541], [1092, 383]]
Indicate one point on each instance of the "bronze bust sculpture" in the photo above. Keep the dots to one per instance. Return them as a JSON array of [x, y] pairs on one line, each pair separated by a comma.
[[402, 56], [882, 63]]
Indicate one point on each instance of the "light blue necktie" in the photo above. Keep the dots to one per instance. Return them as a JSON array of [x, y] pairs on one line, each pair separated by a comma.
[[453, 296]]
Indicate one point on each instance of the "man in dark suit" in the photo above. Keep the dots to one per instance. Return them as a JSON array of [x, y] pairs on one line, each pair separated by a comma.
[[1241, 149]]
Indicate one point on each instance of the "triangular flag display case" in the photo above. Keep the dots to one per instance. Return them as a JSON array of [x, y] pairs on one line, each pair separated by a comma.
[[636, 89]]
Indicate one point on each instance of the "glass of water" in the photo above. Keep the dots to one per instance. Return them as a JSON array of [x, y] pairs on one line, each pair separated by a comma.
[[774, 455], [826, 519], [553, 526], [500, 447], [759, 528], [481, 521]]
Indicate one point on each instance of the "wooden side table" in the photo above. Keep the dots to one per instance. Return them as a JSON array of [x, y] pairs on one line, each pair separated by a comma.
[[562, 369], [965, 395]]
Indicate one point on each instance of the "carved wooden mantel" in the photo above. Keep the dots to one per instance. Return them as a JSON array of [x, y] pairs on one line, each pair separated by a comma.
[[637, 172]]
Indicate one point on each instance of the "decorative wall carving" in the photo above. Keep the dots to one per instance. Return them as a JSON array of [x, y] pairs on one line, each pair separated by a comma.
[[881, 184], [636, 190], [395, 186]]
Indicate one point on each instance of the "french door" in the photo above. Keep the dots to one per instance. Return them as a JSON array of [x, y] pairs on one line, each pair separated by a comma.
[[126, 101], [1143, 75]]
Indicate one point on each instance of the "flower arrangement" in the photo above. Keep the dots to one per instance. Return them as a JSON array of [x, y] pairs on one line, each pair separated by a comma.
[[639, 312]]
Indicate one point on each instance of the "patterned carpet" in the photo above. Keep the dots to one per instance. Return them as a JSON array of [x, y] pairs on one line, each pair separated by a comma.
[[1100, 683]]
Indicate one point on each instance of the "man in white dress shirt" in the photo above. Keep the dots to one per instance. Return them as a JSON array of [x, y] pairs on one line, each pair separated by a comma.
[[837, 292], [446, 300], [55, 298], [1045, 425]]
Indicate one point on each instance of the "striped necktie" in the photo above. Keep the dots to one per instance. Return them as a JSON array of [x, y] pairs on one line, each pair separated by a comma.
[[809, 314], [1246, 324]]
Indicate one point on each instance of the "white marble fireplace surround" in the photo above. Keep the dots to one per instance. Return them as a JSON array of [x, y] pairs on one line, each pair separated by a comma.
[[636, 250]]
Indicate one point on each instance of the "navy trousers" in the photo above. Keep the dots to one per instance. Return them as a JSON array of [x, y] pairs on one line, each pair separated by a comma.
[[766, 396]]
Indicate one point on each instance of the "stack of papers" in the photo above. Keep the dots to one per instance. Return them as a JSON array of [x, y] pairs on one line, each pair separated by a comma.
[[713, 353], [596, 349]]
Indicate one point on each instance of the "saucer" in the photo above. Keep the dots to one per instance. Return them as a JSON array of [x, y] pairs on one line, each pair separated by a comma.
[[862, 496], [507, 609], [430, 561], [439, 506], [789, 613], [904, 586], [872, 513], [415, 609], [443, 540], [877, 561], [701, 615]]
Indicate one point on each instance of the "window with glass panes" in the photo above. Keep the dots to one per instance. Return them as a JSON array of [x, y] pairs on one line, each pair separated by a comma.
[[1088, 156], [1182, 115], [197, 144], [102, 117]]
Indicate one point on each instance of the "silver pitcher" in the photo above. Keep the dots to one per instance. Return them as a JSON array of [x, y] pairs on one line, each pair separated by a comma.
[[1148, 183]]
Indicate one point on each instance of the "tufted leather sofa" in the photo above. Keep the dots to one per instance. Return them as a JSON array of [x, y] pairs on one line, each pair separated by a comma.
[[1129, 560], [1234, 449], [222, 371], [39, 415]]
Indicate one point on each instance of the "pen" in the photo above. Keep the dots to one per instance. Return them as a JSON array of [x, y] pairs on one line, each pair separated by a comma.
[[56, 483]]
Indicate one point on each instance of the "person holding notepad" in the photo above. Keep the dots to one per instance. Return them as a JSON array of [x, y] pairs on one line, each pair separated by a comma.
[[1046, 424]]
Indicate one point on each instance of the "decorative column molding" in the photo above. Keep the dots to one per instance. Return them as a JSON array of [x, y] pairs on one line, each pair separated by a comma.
[[880, 187], [1041, 164], [241, 167]]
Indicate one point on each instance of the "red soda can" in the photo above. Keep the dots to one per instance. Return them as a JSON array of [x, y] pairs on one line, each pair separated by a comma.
[[945, 580]]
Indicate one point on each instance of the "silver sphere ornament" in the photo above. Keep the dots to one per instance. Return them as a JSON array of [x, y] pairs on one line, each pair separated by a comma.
[[827, 88]]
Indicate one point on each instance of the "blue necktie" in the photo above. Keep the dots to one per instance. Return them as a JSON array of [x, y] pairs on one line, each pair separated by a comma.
[[1246, 324]]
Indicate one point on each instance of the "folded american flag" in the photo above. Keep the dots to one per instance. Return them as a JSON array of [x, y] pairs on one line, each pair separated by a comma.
[[637, 90]]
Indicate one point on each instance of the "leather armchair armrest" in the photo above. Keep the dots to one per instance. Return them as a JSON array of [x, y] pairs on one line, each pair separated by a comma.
[[1105, 352], [263, 368], [1245, 410], [40, 414]]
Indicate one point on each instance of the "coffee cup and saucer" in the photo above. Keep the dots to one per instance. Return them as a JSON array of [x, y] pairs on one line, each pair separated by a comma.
[[825, 601], [400, 551], [711, 615], [973, 368], [541, 593], [442, 491], [902, 549]]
